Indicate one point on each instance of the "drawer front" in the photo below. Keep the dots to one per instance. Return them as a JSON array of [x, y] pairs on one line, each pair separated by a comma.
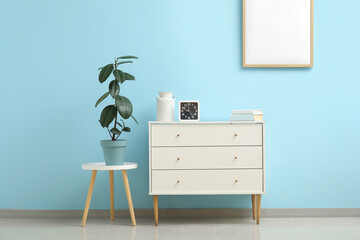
[[206, 134], [206, 157], [206, 181]]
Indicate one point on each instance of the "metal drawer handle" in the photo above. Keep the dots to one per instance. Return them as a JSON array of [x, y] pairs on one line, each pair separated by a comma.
[[236, 157], [178, 135], [178, 159], [235, 134], [236, 180], [178, 181]]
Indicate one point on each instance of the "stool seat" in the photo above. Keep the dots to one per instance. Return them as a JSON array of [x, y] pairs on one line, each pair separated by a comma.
[[103, 167]]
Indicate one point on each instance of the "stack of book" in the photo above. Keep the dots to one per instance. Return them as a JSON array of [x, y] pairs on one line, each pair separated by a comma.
[[247, 115]]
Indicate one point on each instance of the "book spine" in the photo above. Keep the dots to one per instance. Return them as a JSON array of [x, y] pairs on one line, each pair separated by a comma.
[[241, 112], [242, 117]]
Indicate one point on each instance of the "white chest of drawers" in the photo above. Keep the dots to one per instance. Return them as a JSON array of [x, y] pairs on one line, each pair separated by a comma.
[[207, 158]]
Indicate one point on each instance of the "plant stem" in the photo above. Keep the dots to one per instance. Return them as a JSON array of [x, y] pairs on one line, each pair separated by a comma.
[[109, 132], [123, 122], [113, 137], [121, 129], [119, 134]]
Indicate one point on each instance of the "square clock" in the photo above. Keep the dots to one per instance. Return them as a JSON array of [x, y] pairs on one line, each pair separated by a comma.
[[189, 111]]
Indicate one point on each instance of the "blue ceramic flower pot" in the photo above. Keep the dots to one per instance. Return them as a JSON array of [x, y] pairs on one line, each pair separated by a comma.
[[114, 151]]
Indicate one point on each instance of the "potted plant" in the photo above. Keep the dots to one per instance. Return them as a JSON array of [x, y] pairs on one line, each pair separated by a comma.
[[114, 149]]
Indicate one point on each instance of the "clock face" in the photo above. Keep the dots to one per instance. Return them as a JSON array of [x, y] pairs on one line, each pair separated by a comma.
[[189, 111]]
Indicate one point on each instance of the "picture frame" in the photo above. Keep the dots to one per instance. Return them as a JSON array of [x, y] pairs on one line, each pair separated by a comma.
[[278, 33]]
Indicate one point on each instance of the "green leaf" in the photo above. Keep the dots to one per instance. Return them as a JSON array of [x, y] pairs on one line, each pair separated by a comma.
[[119, 75], [127, 57], [124, 106], [134, 119], [126, 129], [102, 98], [115, 131], [123, 62], [128, 76], [105, 72], [107, 115], [114, 88], [119, 124]]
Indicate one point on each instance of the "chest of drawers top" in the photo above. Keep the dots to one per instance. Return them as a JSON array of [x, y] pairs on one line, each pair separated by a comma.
[[206, 133]]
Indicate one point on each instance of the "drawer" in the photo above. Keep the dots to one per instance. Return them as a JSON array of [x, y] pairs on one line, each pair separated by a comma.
[[243, 181], [206, 157], [206, 134]]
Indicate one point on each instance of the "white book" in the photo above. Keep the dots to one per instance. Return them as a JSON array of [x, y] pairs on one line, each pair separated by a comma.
[[242, 117], [250, 111], [258, 112]]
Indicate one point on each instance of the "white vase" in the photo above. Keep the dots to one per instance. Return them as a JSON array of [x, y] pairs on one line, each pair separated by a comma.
[[165, 105]]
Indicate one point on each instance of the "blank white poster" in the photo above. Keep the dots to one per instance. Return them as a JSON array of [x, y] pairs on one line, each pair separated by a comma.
[[277, 32]]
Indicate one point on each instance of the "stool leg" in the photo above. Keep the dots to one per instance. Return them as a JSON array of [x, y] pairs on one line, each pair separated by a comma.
[[253, 205], [128, 195], [156, 209], [88, 199], [258, 204], [111, 181]]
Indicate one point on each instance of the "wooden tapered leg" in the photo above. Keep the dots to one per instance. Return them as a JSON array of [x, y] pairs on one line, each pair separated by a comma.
[[253, 205], [258, 205], [111, 183], [128, 195], [156, 209], [88, 199]]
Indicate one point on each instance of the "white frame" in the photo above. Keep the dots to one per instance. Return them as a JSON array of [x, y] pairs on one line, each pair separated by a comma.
[[278, 32], [179, 111]]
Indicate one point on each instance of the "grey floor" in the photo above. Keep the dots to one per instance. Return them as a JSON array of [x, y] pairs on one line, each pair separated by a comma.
[[99, 229]]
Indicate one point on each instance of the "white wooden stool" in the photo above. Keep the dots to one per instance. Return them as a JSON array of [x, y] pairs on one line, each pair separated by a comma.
[[102, 167]]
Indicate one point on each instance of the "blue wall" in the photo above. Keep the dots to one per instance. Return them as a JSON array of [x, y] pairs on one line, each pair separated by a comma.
[[50, 52]]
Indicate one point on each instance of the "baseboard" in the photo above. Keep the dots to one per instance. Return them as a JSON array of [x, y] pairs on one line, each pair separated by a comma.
[[188, 213]]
